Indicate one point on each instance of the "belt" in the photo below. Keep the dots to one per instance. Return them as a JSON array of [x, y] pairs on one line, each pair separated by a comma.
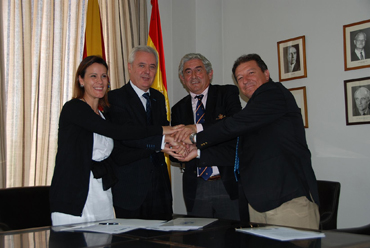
[[214, 178]]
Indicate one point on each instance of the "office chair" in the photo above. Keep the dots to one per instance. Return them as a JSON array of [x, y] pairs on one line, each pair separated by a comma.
[[24, 207], [329, 200]]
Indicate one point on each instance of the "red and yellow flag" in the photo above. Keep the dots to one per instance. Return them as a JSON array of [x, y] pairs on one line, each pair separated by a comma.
[[94, 42], [155, 41]]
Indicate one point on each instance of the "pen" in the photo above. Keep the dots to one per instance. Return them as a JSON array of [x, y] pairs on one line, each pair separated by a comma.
[[109, 223]]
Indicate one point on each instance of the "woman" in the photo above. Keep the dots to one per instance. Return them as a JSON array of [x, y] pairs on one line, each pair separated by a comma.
[[84, 137]]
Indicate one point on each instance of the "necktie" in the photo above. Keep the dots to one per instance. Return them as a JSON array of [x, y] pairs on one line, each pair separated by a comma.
[[362, 56], [148, 109], [236, 164], [204, 172], [199, 113]]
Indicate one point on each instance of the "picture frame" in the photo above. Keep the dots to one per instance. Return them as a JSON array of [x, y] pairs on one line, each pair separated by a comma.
[[301, 100], [357, 100], [292, 58], [355, 42]]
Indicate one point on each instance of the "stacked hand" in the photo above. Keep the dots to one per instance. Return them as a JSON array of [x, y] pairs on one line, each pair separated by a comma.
[[178, 144], [171, 130]]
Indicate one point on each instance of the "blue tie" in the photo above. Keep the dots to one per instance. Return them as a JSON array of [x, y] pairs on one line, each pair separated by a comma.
[[236, 164], [148, 109], [199, 112], [204, 172]]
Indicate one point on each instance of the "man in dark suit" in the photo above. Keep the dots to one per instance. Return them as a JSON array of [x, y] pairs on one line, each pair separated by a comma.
[[216, 196], [143, 189], [277, 183], [360, 52], [362, 100], [292, 59]]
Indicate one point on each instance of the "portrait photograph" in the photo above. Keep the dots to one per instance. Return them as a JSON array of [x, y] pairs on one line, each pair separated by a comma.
[[301, 100], [292, 58], [357, 100], [356, 45]]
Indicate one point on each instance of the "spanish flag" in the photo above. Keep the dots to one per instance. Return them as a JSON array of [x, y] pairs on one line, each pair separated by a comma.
[[94, 42], [155, 41]]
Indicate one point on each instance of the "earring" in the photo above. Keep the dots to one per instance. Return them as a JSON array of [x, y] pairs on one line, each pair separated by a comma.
[[81, 85]]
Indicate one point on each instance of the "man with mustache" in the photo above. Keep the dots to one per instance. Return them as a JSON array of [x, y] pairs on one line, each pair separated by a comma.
[[209, 185]]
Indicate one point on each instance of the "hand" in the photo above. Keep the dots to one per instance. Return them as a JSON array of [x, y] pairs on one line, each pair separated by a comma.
[[171, 130], [187, 140], [193, 153], [185, 132], [175, 149]]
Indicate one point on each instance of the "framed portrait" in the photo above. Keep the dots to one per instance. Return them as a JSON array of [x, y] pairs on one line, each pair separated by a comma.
[[357, 99], [301, 99], [292, 59], [356, 45]]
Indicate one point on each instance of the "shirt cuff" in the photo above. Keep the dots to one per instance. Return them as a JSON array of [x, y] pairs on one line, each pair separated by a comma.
[[163, 143], [198, 153], [199, 127]]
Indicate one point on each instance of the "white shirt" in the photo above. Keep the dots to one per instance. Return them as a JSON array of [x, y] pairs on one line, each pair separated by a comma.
[[99, 203]]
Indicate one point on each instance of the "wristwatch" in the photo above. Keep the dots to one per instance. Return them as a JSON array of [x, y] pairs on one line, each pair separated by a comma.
[[193, 138]]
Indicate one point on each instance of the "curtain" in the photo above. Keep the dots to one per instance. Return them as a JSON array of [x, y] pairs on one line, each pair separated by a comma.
[[2, 106], [42, 46], [125, 25]]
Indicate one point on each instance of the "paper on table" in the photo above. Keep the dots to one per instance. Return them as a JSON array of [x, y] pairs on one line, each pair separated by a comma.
[[281, 233], [183, 224], [115, 226]]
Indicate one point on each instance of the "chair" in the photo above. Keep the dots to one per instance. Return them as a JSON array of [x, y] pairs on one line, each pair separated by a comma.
[[356, 230], [329, 200], [24, 207]]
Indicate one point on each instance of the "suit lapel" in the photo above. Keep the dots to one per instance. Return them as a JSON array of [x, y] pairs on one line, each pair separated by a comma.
[[136, 104], [188, 111], [155, 107], [211, 104]]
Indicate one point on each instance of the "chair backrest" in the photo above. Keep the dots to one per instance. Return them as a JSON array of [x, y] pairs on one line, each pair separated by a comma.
[[25, 207], [329, 200]]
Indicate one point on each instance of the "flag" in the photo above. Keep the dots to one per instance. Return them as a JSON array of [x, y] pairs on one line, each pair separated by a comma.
[[94, 42], [155, 41]]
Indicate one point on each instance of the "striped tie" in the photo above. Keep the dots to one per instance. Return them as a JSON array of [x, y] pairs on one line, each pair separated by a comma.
[[204, 172]]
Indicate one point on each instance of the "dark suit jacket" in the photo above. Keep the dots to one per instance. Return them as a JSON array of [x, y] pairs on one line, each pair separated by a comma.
[[297, 67], [222, 101], [136, 166], [354, 56], [275, 162]]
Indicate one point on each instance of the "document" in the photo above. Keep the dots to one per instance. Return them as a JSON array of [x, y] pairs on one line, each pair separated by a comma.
[[183, 224], [112, 226], [281, 233], [115, 226]]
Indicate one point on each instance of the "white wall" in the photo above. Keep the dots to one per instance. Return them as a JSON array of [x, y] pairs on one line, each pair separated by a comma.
[[222, 30]]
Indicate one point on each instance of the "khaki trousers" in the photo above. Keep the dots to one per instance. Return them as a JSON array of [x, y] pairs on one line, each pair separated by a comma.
[[299, 212]]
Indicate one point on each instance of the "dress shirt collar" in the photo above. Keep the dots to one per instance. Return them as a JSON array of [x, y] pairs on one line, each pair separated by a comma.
[[205, 96], [138, 91]]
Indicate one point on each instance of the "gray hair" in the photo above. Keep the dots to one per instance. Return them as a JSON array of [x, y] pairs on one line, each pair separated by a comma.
[[147, 49], [191, 56], [364, 90], [364, 34]]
